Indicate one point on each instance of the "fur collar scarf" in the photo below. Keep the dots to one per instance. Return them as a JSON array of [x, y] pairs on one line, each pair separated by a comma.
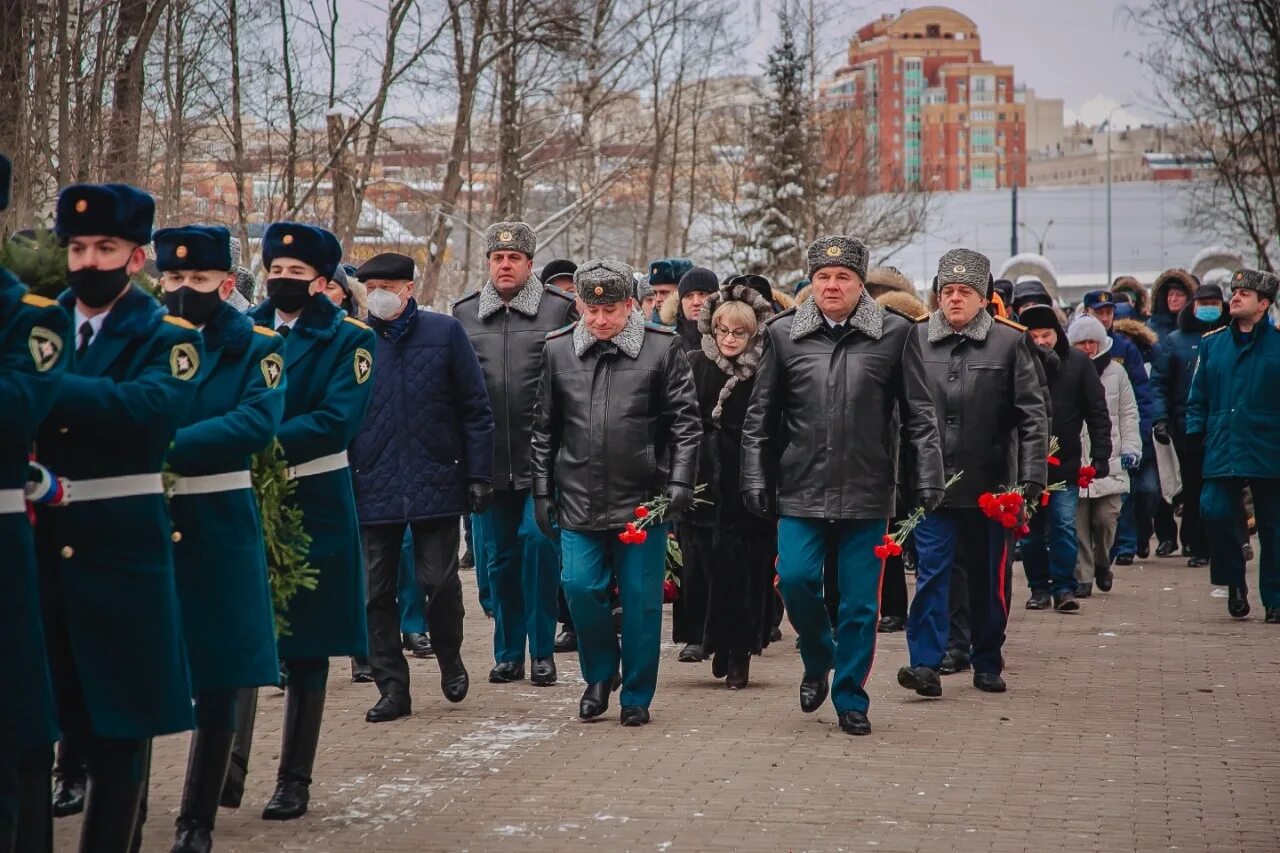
[[975, 330], [745, 365], [867, 318], [526, 300], [629, 340]]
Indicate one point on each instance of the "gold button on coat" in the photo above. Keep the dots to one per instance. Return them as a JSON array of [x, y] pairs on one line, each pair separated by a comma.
[[68, 552], [177, 536]]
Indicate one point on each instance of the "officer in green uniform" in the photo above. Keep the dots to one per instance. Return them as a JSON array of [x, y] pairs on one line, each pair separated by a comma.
[[33, 334], [219, 559], [104, 550], [328, 358]]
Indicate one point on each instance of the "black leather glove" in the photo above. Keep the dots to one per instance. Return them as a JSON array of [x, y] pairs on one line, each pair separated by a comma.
[[479, 496], [758, 503], [543, 510], [1195, 443], [931, 499], [679, 498], [1031, 493], [1101, 468], [1160, 432]]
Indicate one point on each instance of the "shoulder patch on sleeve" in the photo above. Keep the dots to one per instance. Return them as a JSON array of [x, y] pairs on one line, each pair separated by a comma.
[[561, 332], [362, 365], [661, 330], [353, 321], [45, 346], [776, 317], [178, 321], [265, 332], [272, 369], [184, 360], [38, 301], [1214, 332], [1007, 322]]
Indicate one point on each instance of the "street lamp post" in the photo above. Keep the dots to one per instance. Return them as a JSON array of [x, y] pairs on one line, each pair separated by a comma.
[[1041, 236], [1107, 125]]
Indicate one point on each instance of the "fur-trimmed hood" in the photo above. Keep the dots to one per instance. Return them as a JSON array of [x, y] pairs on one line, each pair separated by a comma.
[[887, 279], [904, 302], [1143, 337], [1160, 292], [1129, 284], [745, 365]]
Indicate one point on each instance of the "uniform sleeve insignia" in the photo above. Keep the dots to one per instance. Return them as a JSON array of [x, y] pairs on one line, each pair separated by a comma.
[[45, 347], [363, 366], [272, 369], [184, 361]]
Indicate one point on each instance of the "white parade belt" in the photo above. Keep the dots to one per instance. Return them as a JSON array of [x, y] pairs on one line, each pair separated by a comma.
[[12, 500], [208, 484], [319, 465], [106, 488]]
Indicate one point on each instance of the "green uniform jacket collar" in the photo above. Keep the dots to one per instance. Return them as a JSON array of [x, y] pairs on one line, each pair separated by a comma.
[[228, 330], [319, 319]]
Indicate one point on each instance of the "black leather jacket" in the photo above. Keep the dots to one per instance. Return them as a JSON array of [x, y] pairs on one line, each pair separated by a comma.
[[616, 423], [508, 340], [825, 418], [990, 405]]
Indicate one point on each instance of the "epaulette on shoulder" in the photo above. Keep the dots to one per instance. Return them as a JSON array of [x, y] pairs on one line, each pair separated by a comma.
[[776, 317], [562, 331], [475, 294], [178, 321], [38, 301], [904, 315], [263, 330], [1214, 332], [1007, 322], [554, 291], [661, 330], [353, 321]]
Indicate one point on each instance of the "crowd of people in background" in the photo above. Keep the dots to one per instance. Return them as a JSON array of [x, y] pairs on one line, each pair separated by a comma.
[[603, 439]]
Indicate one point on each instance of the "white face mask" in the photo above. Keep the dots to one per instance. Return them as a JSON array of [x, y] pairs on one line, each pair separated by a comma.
[[384, 304]]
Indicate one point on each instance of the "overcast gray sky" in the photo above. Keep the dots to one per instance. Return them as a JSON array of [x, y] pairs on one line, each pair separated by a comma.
[[1078, 50]]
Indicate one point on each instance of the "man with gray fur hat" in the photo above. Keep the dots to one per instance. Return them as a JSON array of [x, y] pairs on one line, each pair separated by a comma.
[[991, 413], [840, 381], [617, 425], [508, 320]]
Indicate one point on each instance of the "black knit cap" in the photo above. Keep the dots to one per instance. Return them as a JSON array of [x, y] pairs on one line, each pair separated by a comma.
[[698, 280], [1040, 317], [558, 267]]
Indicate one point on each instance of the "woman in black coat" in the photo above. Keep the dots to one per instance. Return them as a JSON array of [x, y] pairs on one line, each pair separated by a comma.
[[734, 550]]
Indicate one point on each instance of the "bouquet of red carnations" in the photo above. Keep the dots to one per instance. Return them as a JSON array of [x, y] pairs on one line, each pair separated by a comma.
[[891, 544]]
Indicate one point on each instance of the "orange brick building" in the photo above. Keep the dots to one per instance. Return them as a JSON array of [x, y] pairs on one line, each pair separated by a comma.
[[932, 112]]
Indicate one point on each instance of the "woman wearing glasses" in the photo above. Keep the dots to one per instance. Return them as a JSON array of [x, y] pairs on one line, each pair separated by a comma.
[[734, 550]]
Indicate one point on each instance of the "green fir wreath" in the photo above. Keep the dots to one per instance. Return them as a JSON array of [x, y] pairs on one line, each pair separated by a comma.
[[286, 542]]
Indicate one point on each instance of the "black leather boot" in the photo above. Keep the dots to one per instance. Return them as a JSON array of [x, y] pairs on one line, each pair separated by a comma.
[[207, 762], [303, 711], [238, 768], [455, 681], [543, 672], [595, 700], [739, 670], [112, 801], [68, 779]]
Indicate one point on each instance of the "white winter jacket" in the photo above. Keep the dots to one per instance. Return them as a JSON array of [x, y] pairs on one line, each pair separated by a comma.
[[1122, 406]]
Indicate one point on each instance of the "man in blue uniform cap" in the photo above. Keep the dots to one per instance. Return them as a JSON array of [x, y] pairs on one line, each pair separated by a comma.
[[105, 550]]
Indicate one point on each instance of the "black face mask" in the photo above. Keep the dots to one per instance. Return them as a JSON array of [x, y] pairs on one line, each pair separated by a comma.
[[96, 288], [192, 305], [288, 295]]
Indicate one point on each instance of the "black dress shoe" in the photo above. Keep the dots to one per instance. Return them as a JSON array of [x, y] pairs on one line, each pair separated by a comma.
[[595, 700], [68, 797], [467, 560], [454, 680], [988, 682], [1065, 602], [1104, 579], [1144, 551], [1166, 549], [720, 664], [193, 839], [361, 672], [1186, 551], [1198, 562], [507, 672], [289, 802], [1238, 601], [813, 692], [738, 671], [1273, 616], [1084, 590], [390, 707], [1039, 600], [955, 660], [567, 640], [775, 635], [542, 672], [921, 679], [419, 645], [692, 653], [891, 625], [1124, 560], [634, 715], [854, 723]]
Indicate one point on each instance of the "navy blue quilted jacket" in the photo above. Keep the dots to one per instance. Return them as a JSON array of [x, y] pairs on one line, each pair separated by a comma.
[[429, 430]]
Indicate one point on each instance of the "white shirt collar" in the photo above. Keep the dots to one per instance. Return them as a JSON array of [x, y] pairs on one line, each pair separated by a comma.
[[833, 323], [281, 321], [95, 323]]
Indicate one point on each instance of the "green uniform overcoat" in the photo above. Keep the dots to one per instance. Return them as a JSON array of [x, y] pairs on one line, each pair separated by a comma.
[[106, 566], [328, 360], [219, 560]]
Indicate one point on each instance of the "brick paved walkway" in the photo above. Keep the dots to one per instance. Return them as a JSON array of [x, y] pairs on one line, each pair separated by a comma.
[[1147, 722]]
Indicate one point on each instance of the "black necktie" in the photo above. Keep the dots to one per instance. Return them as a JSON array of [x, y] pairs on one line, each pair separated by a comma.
[[86, 332], [283, 330]]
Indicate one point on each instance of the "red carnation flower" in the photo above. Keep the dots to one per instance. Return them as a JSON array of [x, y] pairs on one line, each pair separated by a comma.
[[881, 552], [670, 592], [642, 512]]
